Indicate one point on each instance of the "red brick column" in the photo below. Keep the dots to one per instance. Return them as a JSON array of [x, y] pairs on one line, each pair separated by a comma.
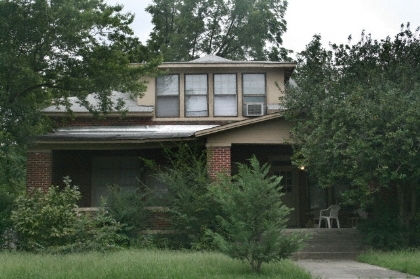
[[39, 170], [218, 160]]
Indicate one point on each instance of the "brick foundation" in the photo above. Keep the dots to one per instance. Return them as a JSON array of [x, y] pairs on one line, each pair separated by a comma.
[[218, 160], [39, 170]]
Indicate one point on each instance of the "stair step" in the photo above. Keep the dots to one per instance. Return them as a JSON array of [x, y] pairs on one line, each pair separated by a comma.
[[330, 244]]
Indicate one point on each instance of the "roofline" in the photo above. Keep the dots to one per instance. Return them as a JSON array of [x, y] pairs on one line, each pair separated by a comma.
[[229, 63], [238, 124], [88, 114]]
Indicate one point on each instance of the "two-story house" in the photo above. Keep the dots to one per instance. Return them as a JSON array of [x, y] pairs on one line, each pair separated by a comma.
[[230, 108]]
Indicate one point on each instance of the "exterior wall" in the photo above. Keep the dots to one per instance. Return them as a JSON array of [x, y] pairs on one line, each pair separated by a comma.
[[218, 160], [39, 170], [269, 132], [274, 77]]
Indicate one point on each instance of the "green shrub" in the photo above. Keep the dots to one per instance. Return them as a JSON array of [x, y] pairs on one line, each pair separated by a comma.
[[6, 204], [46, 219], [384, 231], [94, 232], [49, 222], [128, 207], [255, 216], [191, 209]]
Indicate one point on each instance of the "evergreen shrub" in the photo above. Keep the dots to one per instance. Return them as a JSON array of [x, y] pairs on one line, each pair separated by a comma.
[[254, 216]]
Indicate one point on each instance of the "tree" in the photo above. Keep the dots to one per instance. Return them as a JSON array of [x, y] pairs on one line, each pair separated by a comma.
[[56, 49], [254, 216], [238, 30], [355, 113]]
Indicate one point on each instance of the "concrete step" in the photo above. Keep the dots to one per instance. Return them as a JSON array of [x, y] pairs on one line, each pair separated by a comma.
[[330, 244]]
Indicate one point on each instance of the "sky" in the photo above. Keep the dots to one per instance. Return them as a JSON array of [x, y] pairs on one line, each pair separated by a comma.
[[334, 20]]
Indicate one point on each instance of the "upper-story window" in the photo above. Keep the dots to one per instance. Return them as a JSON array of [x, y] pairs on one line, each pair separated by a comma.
[[254, 94], [225, 95], [167, 96], [196, 101]]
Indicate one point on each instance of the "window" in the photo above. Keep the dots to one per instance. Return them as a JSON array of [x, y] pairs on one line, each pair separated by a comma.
[[167, 96], [196, 95], [254, 88], [122, 171], [225, 100]]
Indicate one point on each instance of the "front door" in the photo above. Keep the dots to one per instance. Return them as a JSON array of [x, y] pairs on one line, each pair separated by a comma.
[[290, 188]]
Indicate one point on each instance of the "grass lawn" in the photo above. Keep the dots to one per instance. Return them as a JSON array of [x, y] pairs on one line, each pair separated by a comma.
[[404, 261], [138, 264]]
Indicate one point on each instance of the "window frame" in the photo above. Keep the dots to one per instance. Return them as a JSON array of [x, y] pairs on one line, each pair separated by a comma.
[[168, 96], [216, 95], [206, 95], [255, 96]]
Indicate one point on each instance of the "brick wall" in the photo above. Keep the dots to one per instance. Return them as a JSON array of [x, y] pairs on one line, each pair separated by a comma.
[[39, 170], [218, 160]]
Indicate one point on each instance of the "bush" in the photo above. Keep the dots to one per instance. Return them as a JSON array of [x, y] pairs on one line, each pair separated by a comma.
[[255, 216], [94, 232], [128, 207], [384, 231], [6, 204], [191, 208], [49, 222], [46, 219]]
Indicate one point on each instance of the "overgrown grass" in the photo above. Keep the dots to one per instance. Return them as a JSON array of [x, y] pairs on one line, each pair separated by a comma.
[[138, 264], [405, 261]]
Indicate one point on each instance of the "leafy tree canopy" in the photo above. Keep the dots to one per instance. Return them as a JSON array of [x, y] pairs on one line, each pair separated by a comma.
[[238, 30], [356, 114], [56, 49]]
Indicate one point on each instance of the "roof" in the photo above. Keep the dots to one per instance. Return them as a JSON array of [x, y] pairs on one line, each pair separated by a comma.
[[119, 133], [130, 104], [213, 61], [237, 124]]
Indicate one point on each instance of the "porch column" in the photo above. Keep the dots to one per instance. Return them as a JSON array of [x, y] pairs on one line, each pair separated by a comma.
[[39, 170], [218, 160]]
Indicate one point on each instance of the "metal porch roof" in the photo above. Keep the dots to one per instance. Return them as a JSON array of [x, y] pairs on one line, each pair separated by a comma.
[[114, 133]]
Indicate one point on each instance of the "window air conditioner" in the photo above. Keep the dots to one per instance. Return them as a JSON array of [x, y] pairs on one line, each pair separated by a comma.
[[254, 109]]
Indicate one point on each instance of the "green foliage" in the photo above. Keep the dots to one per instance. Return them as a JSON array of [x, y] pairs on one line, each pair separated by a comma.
[[6, 205], [128, 207], [12, 168], [384, 232], [238, 30], [355, 113], [97, 232], [255, 216], [58, 49], [46, 219], [48, 222], [191, 209]]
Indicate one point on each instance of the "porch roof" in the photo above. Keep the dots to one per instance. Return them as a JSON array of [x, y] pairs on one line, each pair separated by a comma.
[[230, 126], [122, 133]]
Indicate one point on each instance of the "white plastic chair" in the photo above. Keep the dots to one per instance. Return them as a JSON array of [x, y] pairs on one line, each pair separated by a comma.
[[328, 214]]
